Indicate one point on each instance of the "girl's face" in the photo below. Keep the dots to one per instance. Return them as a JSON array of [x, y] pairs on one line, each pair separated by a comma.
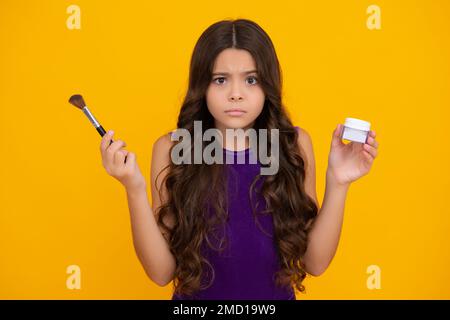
[[234, 86]]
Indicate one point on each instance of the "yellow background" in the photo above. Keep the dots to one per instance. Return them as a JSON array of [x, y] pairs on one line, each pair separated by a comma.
[[130, 61]]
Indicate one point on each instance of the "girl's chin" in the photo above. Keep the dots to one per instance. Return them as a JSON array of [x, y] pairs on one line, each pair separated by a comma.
[[237, 124], [234, 123]]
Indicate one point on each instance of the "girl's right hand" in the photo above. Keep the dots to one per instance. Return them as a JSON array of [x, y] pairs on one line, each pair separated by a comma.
[[113, 159]]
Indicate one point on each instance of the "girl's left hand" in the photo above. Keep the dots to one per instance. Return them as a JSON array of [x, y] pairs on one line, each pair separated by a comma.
[[349, 162]]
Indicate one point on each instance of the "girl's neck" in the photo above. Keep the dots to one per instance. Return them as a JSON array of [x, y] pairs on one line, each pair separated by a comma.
[[236, 144]]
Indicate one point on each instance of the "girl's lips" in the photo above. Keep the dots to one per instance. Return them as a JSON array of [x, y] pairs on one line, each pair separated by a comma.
[[235, 112]]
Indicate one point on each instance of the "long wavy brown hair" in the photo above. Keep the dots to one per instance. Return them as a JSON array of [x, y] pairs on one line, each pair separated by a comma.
[[195, 189]]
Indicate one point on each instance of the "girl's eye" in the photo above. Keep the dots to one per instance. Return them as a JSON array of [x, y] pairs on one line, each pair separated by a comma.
[[220, 80], [255, 80]]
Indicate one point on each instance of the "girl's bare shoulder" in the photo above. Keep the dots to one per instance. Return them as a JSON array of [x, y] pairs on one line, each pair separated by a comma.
[[305, 144], [163, 143], [304, 138]]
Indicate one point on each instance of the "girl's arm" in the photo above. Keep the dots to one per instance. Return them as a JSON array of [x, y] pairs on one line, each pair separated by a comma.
[[149, 241], [346, 163], [324, 236], [150, 245]]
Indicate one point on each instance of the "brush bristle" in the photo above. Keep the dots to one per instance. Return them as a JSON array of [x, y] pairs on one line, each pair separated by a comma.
[[77, 101]]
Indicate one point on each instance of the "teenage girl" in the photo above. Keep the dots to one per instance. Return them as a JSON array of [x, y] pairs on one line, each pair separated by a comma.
[[224, 231]]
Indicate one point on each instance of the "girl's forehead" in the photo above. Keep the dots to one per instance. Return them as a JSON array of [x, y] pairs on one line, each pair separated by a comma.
[[234, 61]]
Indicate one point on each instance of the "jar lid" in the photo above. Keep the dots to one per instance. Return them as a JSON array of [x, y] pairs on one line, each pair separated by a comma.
[[357, 124]]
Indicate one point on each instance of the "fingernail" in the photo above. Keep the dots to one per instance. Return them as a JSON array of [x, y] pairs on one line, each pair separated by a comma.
[[110, 132]]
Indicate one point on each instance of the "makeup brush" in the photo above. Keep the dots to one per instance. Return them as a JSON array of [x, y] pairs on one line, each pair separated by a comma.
[[78, 101]]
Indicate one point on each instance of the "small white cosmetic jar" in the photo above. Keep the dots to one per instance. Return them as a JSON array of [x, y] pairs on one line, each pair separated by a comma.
[[356, 130]]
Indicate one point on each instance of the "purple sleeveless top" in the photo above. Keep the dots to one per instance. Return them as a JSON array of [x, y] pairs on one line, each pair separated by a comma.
[[246, 268]]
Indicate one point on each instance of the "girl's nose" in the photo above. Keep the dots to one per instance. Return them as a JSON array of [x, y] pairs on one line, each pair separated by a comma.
[[235, 97], [235, 91]]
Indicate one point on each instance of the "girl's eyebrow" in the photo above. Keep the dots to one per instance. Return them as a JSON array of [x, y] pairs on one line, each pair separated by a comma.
[[226, 73]]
